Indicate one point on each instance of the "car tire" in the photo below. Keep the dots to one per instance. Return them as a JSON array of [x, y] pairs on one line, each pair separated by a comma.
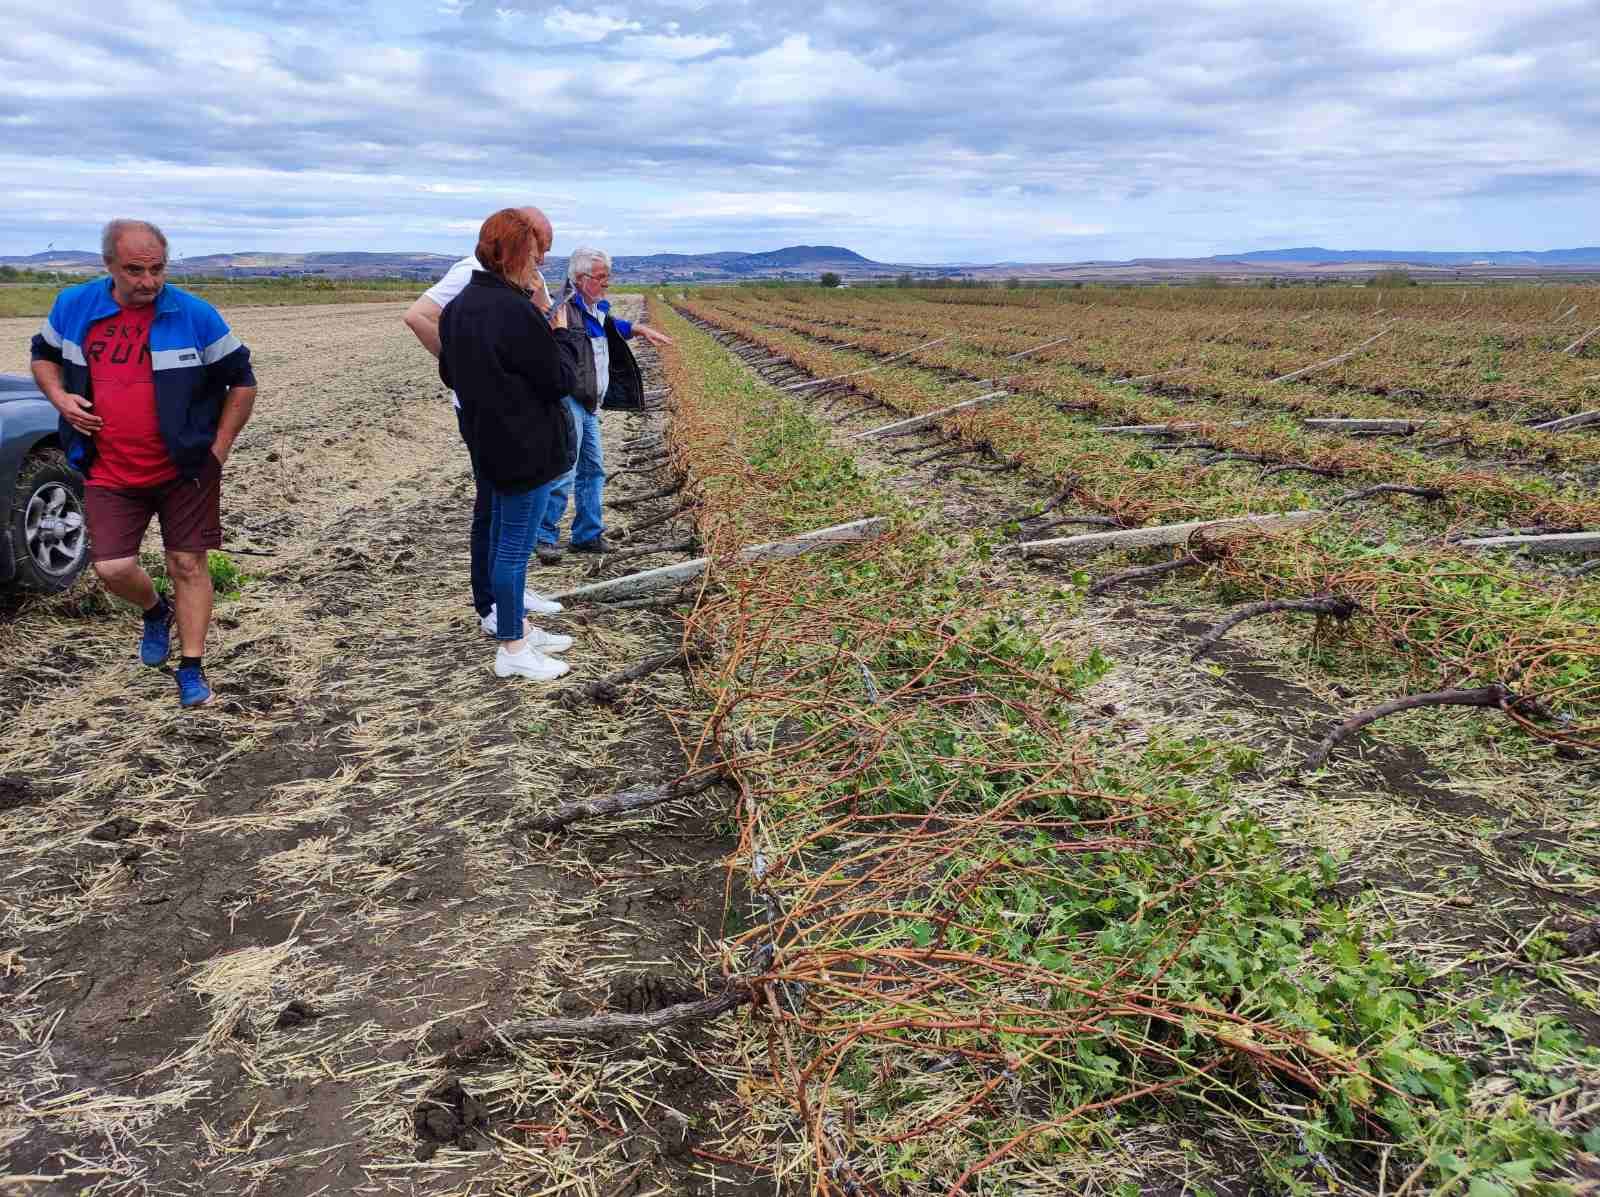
[[49, 535]]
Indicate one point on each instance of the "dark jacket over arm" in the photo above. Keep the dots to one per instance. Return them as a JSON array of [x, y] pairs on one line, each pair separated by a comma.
[[626, 390], [510, 370]]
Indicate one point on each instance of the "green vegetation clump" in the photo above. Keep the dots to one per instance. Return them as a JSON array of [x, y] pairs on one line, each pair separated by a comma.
[[227, 579], [1393, 277]]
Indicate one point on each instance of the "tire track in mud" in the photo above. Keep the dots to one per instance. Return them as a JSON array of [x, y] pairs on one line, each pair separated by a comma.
[[231, 941]]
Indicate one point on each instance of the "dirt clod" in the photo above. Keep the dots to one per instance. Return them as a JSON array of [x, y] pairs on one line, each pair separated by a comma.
[[1584, 941], [115, 830], [294, 1013], [15, 792], [447, 1115]]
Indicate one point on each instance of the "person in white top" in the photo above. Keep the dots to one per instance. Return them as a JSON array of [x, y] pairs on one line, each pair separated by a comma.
[[422, 318]]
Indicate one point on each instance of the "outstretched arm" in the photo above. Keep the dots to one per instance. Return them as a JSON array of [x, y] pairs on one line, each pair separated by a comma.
[[422, 318], [654, 335]]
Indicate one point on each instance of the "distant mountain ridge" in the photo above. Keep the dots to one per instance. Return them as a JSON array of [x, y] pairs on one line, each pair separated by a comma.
[[1582, 256], [801, 262], [793, 260]]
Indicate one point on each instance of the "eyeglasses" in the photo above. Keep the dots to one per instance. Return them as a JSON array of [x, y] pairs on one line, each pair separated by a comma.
[[598, 278]]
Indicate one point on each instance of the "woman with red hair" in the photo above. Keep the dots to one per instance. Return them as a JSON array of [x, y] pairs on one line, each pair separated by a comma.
[[511, 369]]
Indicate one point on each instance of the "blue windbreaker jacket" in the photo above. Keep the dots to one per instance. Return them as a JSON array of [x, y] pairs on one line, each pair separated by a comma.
[[194, 356]]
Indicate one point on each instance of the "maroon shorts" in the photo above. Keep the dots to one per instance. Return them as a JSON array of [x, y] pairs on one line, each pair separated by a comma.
[[190, 513]]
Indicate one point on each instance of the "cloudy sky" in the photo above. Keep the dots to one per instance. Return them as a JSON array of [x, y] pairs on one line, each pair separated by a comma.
[[993, 130]]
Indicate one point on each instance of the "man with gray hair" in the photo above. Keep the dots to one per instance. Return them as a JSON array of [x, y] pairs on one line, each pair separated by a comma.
[[153, 390], [608, 377]]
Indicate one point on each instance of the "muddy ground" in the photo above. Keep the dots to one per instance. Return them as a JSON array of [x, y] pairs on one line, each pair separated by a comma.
[[234, 943]]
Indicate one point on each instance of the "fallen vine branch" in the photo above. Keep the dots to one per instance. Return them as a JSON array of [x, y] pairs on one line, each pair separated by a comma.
[[1054, 501], [1297, 468], [1495, 695], [933, 417], [654, 520], [1567, 423], [646, 550], [1338, 606], [1581, 341], [664, 492], [623, 802], [939, 439], [599, 1025], [1140, 572], [1009, 467], [1333, 361], [1530, 530], [1165, 534], [958, 451], [605, 689], [1432, 493]]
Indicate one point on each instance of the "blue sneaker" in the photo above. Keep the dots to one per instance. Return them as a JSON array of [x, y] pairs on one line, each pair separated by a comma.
[[193, 689], [156, 643]]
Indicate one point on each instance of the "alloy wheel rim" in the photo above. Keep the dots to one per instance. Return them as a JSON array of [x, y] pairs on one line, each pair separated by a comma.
[[53, 529]]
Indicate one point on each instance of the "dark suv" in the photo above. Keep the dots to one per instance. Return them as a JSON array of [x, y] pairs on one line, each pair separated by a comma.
[[43, 541]]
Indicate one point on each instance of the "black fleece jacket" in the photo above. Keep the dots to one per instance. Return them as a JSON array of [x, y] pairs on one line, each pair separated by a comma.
[[510, 370]]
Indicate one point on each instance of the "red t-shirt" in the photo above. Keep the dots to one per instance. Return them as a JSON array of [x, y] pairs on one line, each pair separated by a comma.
[[129, 451]]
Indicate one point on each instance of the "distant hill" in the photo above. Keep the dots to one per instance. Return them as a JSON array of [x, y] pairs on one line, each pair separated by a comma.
[[1585, 256], [793, 260], [56, 259]]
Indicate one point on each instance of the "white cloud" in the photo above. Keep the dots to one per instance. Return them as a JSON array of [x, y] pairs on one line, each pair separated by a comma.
[[674, 46], [907, 132], [570, 25], [796, 73]]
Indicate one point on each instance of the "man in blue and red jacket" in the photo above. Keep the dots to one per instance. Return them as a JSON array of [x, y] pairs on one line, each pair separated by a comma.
[[153, 389]]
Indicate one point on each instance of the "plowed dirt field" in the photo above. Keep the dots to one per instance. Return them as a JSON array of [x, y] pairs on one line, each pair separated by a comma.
[[234, 943]]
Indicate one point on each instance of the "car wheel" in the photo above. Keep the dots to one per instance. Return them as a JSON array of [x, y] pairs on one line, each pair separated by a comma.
[[48, 533]]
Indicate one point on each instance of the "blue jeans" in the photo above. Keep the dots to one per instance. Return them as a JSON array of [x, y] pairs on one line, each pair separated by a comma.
[[482, 516], [587, 477], [513, 524]]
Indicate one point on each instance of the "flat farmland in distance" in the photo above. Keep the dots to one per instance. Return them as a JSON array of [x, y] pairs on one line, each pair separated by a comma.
[[33, 299]]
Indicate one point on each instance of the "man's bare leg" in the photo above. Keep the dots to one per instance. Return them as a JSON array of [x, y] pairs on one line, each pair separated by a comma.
[[125, 578], [192, 595]]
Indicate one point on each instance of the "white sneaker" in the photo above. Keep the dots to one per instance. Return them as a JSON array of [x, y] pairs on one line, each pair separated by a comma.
[[529, 663], [545, 642], [533, 601]]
